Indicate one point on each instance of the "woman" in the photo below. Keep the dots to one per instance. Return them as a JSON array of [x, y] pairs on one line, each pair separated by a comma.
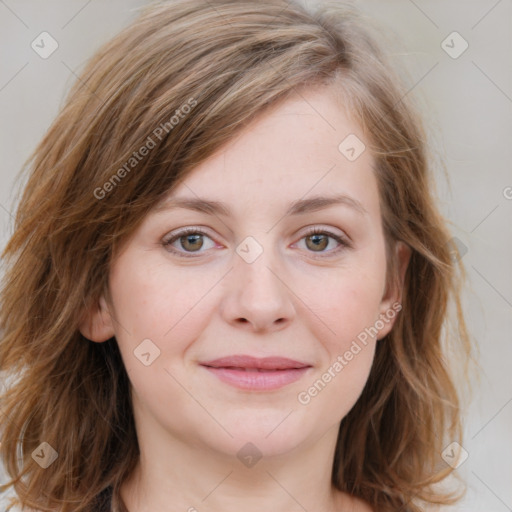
[[229, 282]]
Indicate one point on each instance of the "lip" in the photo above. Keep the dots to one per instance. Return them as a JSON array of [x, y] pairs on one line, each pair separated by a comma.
[[256, 374]]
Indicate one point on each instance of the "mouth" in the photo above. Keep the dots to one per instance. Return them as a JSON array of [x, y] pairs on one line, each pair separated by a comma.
[[256, 374]]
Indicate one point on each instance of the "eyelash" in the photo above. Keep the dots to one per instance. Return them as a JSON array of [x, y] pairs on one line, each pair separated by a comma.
[[344, 243]]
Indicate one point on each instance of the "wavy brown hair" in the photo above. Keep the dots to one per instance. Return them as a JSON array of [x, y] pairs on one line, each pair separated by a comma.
[[232, 60]]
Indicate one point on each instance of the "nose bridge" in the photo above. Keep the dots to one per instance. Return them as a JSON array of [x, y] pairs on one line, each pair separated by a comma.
[[256, 258], [258, 294]]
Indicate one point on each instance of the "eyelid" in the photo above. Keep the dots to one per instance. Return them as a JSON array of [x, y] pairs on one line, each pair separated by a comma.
[[176, 235], [343, 240], [314, 228]]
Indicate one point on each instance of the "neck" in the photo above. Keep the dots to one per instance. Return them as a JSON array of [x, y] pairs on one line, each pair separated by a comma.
[[183, 476]]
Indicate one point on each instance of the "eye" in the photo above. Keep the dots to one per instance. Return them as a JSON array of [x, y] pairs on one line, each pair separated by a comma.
[[317, 240], [189, 239]]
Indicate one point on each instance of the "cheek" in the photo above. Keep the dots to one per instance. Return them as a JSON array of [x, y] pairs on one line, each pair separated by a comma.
[[349, 306], [350, 301], [350, 309], [151, 302], [352, 318]]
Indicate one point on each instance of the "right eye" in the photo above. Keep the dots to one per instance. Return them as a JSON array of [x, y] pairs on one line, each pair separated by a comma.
[[190, 240]]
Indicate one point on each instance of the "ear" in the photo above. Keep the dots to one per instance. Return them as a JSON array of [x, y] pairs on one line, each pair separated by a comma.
[[391, 302], [96, 324]]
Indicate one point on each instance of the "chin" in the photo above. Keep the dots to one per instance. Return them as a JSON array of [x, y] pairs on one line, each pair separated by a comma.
[[269, 433]]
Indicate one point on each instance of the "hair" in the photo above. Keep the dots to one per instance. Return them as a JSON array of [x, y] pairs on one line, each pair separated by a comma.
[[229, 61]]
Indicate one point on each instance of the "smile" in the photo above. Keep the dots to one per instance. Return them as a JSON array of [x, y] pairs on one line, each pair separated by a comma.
[[256, 374]]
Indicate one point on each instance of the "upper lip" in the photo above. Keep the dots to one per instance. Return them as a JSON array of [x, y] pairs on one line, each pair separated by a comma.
[[264, 363]]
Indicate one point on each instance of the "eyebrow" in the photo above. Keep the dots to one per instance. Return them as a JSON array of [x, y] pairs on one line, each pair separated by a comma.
[[298, 207]]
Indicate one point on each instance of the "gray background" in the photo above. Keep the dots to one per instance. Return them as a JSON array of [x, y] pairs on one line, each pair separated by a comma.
[[467, 103]]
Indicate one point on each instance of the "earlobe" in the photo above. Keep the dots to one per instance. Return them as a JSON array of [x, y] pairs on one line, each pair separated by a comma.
[[391, 302], [96, 324]]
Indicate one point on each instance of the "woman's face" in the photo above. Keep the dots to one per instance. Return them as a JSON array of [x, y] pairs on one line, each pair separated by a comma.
[[257, 284]]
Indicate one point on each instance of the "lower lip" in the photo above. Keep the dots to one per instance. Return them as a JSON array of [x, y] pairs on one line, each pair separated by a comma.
[[258, 381]]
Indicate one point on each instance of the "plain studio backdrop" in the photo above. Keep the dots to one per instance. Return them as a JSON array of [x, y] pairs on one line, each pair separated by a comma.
[[457, 55]]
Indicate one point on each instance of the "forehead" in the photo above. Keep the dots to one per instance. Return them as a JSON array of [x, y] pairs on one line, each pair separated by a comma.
[[288, 153]]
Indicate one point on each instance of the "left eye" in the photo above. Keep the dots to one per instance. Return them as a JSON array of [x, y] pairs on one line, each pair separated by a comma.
[[191, 241], [319, 239]]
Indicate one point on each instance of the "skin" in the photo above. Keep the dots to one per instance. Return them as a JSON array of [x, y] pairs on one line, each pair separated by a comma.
[[295, 300]]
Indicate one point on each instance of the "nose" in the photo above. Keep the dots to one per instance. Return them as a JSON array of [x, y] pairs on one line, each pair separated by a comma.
[[258, 298]]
